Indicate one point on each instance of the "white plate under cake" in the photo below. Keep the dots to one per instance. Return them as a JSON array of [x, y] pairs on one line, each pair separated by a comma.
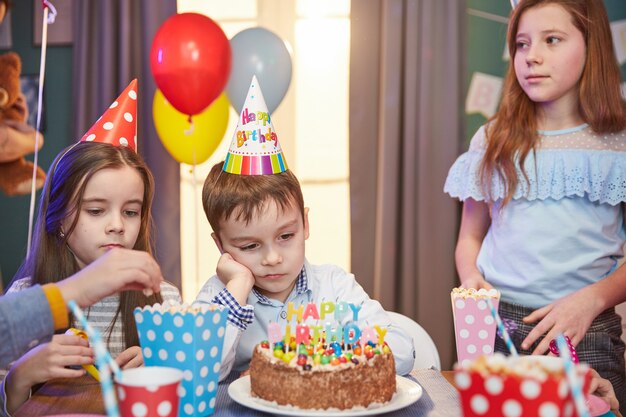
[[407, 393]]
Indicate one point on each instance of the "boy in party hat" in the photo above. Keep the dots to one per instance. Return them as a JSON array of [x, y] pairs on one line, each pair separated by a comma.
[[256, 209], [96, 202]]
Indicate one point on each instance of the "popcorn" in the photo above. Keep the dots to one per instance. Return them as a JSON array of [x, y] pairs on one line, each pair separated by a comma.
[[474, 293], [530, 366]]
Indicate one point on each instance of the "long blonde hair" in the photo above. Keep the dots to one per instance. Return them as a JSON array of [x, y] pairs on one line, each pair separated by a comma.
[[512, 132]]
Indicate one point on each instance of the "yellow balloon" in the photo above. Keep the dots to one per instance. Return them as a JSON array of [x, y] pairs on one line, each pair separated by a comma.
[[186, 143]]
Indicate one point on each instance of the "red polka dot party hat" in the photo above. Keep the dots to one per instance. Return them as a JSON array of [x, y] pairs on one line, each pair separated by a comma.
[[254, 149], [118, 124]]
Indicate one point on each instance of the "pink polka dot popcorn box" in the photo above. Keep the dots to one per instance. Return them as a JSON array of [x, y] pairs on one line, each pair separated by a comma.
[[517, 386], [474, 326], [189, 339]]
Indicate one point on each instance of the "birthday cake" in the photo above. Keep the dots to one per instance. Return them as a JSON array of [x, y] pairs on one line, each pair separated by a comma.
[[355, 368]]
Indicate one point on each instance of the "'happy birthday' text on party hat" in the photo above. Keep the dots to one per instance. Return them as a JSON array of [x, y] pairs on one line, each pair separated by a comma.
[[254, 149], [118, 124]]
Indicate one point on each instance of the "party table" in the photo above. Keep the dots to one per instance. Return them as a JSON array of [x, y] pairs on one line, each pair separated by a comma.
[[83, 396]]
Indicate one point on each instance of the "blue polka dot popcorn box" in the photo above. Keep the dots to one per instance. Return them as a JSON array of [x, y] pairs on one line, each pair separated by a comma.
[[189, 339], [498, 386]]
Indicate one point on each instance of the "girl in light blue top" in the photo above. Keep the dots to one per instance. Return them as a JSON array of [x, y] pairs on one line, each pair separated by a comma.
[[543, 187]]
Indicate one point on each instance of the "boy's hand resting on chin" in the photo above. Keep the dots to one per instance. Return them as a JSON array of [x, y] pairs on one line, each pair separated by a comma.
[[238, 279]]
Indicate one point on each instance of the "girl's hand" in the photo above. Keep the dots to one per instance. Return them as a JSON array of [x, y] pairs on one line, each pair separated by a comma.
[[603, 388], [476, 281], [49, 360], [117, 270], [571, 316], [45, 362], [130, 358]]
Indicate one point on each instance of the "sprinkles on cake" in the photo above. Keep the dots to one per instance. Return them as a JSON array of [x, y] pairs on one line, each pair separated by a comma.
[[331, 343]]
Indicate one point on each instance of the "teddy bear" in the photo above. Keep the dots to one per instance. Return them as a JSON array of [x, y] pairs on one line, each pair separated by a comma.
[[16, 137]]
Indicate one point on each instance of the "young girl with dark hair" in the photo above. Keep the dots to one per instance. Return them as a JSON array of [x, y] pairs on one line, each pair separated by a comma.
[[97, 198]]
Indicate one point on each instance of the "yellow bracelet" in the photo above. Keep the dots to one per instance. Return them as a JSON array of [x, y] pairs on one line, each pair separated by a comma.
[[57, 306]]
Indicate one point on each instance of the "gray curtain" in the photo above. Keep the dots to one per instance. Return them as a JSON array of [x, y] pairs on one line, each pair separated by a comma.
[[406, 73], [112, 41]]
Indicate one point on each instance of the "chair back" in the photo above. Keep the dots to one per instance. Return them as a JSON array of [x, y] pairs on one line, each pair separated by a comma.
[[426, 355]]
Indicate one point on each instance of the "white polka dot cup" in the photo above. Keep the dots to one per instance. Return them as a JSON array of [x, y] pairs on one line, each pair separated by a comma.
[[150, 391], [189, 339], [474, 326], [542, 390]]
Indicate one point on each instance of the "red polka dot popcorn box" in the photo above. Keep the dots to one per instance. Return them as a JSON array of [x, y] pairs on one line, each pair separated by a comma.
[[474, 326], [499, 386], [191, 340], [149, 391]]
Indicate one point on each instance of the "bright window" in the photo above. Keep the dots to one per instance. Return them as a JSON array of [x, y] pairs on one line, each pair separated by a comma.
[[312, 123]]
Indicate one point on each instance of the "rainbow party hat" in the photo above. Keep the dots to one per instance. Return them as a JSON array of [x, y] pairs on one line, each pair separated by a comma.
[[254, 149], [118, 124]]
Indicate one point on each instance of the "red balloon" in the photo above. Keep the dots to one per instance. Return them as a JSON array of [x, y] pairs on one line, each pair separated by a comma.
[[190, 60]]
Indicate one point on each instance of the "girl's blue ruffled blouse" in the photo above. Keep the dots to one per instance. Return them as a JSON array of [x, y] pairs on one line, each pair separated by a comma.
[[564, 228]]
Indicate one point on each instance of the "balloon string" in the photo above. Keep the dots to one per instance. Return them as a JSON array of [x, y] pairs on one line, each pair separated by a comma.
[[42, 71], [195, 214], [191, 128]]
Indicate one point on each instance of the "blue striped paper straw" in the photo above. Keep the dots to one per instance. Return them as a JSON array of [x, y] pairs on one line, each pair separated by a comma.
[[501, 328], [111, 362], [103, 362], [575, 386]]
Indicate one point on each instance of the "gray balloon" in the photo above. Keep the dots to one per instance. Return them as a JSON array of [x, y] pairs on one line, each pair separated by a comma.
[[258, 51]]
